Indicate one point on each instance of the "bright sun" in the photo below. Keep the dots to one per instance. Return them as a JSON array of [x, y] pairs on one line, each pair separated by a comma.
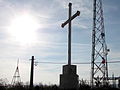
[[23, 28]]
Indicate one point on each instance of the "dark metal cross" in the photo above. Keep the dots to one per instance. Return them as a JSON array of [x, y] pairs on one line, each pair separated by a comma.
[[69, 30]]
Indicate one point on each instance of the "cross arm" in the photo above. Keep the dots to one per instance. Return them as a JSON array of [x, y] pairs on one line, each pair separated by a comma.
[[70, 19]]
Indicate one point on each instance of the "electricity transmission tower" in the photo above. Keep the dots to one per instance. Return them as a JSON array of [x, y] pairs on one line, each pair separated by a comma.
[[16, 78], [99, 71]]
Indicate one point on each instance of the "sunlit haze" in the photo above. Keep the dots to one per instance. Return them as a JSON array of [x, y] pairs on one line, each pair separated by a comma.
[[23, 28]]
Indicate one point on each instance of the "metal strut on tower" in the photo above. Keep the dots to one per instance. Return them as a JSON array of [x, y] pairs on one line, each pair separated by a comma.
[[99, 71], [16, 80]]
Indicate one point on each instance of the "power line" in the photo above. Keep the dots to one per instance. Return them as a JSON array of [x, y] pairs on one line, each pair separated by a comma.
[[75, 62], [114, 62]]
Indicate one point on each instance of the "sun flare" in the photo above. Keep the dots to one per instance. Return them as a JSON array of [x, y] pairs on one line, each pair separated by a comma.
[[23, 28]]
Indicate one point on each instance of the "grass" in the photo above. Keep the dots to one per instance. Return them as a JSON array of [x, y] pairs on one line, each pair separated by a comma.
[[52, 87]]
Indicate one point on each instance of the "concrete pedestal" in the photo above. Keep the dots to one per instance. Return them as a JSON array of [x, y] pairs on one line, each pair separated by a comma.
[[119, 83], [69, 78]]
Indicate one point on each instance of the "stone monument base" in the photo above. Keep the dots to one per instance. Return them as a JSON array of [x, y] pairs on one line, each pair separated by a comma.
[[69, 78]]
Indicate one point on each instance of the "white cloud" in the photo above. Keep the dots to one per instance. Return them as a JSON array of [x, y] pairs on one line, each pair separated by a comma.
[[84, 6], [114, 55]]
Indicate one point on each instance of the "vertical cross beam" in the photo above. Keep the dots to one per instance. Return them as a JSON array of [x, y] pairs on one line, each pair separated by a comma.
[[70, 18], [69, 35]]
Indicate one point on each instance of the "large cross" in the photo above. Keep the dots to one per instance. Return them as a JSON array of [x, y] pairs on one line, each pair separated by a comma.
[[69, 30]]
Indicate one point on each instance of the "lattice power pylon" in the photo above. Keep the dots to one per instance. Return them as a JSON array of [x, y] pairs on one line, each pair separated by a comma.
[[16, 78], [99, 67]]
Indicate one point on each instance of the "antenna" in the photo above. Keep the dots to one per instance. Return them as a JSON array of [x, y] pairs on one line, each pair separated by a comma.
[[99, 71], [16, 80]]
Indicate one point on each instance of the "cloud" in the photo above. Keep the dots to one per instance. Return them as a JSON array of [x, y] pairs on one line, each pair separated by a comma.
[[84, 71], [114, 55], [84, 6]]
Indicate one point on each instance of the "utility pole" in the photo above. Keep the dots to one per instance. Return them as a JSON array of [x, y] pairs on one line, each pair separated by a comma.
[[32, 72]]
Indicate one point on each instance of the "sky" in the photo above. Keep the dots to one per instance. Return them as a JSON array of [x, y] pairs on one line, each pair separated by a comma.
[[33, 28]]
